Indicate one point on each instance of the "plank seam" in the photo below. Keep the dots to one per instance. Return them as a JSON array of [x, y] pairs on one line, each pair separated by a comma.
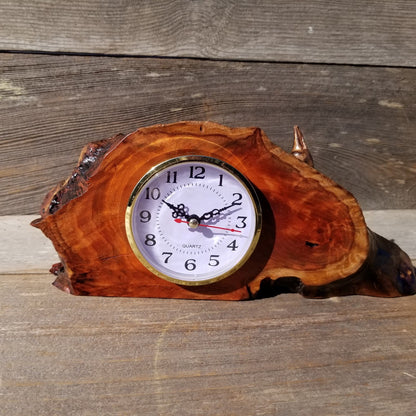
[[199, 58]]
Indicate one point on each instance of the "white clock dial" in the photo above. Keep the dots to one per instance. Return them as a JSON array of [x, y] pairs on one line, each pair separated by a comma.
[[193, 220]]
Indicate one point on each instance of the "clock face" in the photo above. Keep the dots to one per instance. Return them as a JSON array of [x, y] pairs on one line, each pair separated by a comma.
[[193, 220]]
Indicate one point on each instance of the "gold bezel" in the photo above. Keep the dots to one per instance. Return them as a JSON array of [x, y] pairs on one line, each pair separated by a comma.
[[174, 161]]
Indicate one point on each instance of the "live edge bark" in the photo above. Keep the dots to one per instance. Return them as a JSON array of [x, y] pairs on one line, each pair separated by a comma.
[[314, 240]]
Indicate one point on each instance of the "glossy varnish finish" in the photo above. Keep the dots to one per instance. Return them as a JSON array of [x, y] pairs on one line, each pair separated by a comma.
[[288, 355], [313, 232]]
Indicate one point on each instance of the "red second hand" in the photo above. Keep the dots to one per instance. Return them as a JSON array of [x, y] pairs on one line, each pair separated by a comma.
[[178, 220]]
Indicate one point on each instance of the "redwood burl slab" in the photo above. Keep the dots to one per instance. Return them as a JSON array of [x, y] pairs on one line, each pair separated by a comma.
[[314, 239]]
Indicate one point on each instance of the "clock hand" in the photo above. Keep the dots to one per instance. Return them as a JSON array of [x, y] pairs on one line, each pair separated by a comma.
[[178, 211], [208, 215], [178, 220]]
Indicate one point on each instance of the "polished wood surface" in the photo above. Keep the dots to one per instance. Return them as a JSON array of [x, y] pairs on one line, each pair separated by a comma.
[[79, 71], [313, 234], [23, 249]]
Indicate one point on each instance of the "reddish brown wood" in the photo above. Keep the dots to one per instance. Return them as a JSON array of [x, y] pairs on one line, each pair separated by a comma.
[[314, 239]]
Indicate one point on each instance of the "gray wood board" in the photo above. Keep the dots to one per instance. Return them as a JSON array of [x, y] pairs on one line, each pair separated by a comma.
[[354, 32], [25, 250], [63, 354], [358, 121], [67, 355]]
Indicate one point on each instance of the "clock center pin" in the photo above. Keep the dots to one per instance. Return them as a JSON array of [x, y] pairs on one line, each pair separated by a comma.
[[193, 223]]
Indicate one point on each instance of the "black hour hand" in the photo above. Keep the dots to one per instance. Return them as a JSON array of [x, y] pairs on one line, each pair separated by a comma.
[[178, 211]]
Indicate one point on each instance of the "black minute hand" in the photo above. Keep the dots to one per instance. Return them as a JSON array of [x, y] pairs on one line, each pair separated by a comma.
[[208, 215]]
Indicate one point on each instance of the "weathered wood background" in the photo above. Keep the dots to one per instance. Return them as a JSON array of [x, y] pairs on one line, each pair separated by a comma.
[[73, 72], [80, 71]]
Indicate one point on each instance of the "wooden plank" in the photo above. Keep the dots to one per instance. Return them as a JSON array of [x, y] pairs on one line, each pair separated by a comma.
[[398, 225], [359, 122], [24, 249], [287, 355], [353, 32]]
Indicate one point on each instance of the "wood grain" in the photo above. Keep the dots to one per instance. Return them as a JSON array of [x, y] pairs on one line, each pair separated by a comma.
[[354, 32], [359, 122], [288, 355], [302, 206], [172, 357], [23, 249]]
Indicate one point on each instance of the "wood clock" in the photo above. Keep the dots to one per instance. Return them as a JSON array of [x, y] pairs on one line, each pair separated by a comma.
[[198, 210], [193, 220]]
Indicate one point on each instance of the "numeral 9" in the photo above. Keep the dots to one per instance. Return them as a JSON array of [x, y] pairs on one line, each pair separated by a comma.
[[145, 216]]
